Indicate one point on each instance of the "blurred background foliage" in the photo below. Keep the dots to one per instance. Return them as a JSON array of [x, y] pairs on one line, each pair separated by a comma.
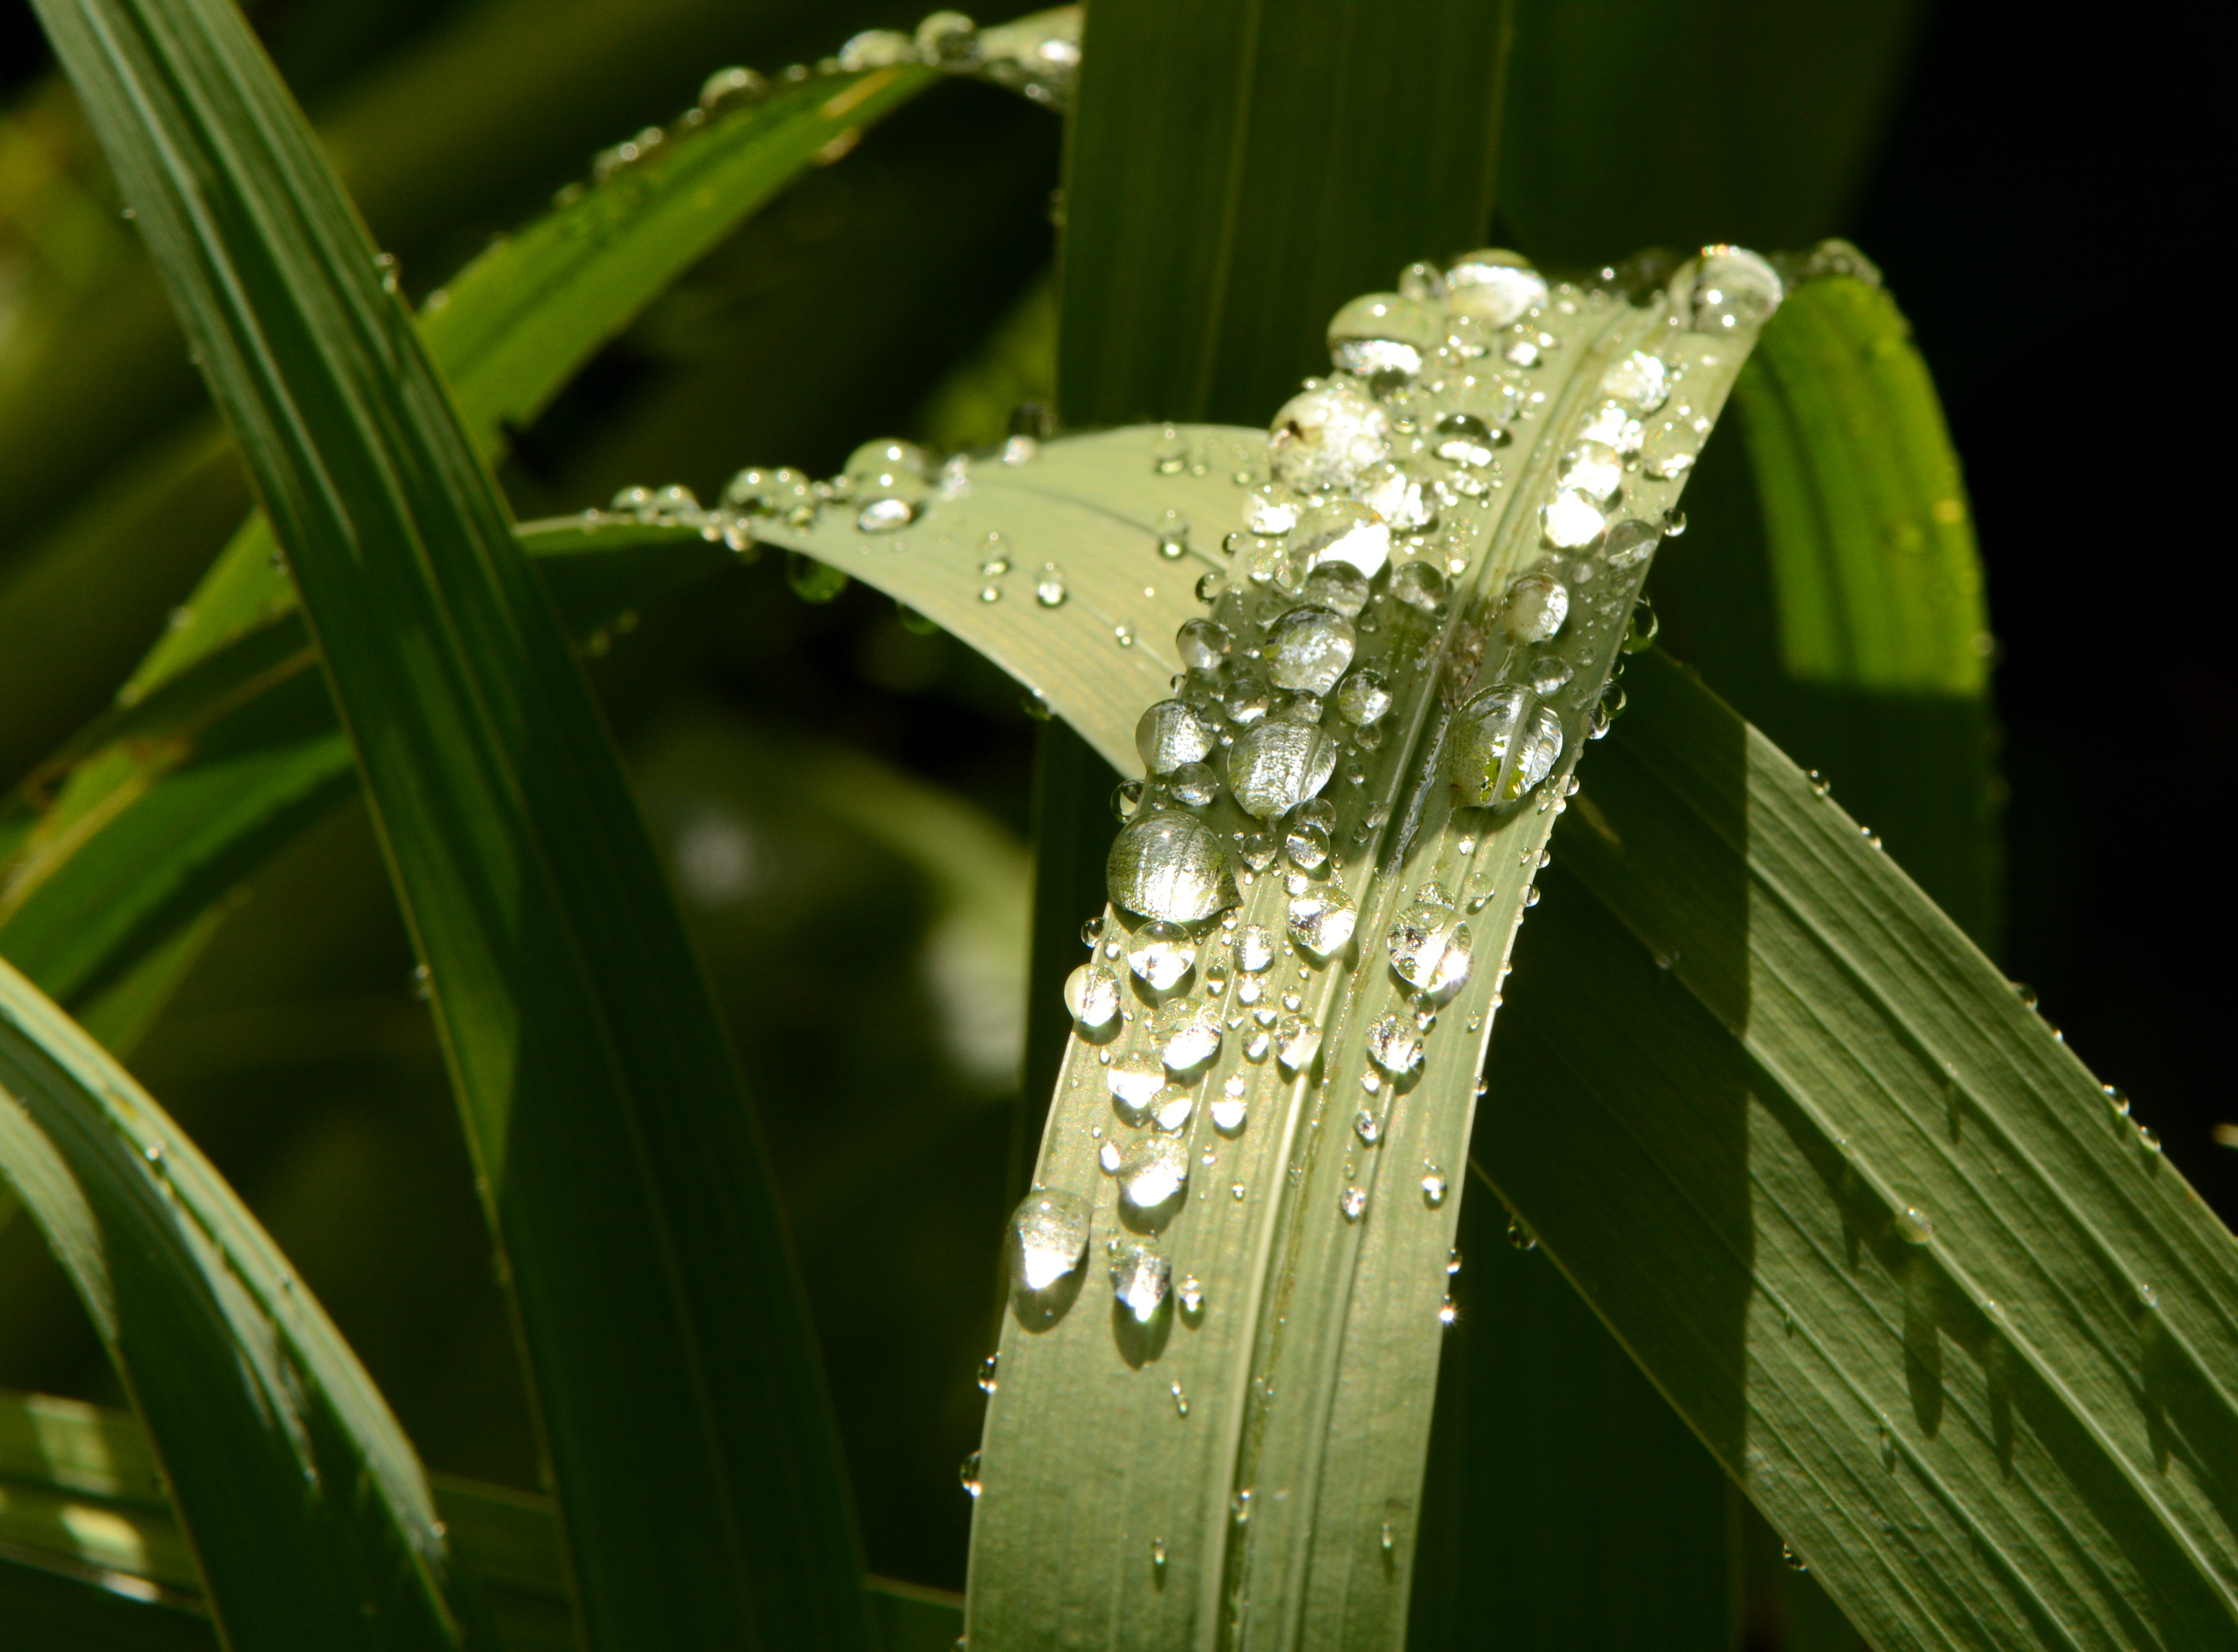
[[907, 288]]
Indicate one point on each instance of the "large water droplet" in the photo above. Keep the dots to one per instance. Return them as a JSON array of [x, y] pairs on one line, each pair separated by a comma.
[[1297, 1041], [1629, 542], [1395, 496], [1321, 920], [1342, 530], [1141, 1279], [1502, 743], [1169, 735], [1308, 649], [1394, 1044], [1187, 1035], [1384, 336], [1734, 291], [1323, 438], [1464, 440], [1493, 286], [1422, 586], [1153, 1174], [1594, 471], [1638, 382], [1049, 1235], [1537, 604], [1134, 1082], [1430, 949], [1170, 866], [1091, 993], [1339, 587], [1202, 644], [1229, 1112], [1277, 764], [1572, 522], [1362, 698], [1193, 784], [1254, 949], [1270, 511], [1160, 954]]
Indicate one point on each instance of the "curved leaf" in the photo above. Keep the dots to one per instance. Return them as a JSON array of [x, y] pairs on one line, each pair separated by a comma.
[[623, 1171], [1934, 1300], [306, 1514]]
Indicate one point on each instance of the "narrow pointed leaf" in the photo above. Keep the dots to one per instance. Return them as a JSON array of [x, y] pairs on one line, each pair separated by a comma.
[[1935, 1301], [623, 1171], [1853, 631], [305, 1518]]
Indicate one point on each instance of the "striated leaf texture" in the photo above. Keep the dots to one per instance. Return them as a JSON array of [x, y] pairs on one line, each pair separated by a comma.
[[639, 1232], [1935, 1301]]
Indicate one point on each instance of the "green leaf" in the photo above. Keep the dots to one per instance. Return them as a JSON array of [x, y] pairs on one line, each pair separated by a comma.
[[90, 1552], [1852, 630], [1672, 122], [175, 799], [1566, 1504], [624, 1172], [1233, 174], [1933, 1300], [307, 1519]]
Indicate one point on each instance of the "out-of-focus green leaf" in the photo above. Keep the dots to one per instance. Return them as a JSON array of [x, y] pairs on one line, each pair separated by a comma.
[[674, 1373], [177, 797], [1566, 1504], [1236, 173], [307, 1518], [1934, 1300], [1853, 631], [91, 1555], [1645, 122]]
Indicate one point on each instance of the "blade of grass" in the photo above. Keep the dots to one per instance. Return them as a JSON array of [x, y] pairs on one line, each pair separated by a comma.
[[1234, 175], [1852, 630], [307, 1519], [86, 1529], [668, 1352], [1935, 1301]]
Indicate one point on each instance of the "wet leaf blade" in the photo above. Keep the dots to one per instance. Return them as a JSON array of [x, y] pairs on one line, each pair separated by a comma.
[[1843, 610], [252, 1401], [1718, 1152], [623, 1170]]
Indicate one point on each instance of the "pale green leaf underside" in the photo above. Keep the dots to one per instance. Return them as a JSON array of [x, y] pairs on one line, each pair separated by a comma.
[[2018, 1432], [1106, 1516]]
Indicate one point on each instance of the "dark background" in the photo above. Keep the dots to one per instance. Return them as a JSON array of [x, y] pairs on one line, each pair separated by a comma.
[[2041, 204]]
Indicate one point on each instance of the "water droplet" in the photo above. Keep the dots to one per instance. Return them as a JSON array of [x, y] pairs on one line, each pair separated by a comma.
[[885, 516], [1421, 585], [1202, 644], [1212, 586], [1242, 1507], [1048, 586], [1536, 606], [987, 1369], [1308, 649], [1795, 1561], [1230, 1113], [1187, 1036], [1503, 743], [1734, 291], [1640, 383], [1171, 734], [1396, 496], [1191, 1296], [1141, 1279], [1254, 949], [1340, 531], [1107, 1156], [1193, 784], [1160, 954], [1394, 1044], [1277, 764], [1306, 845], [1629, 542], [1612, 428], [1152, 1174], [1434, 1189], [1296, 1042], [1430, 949], [1549, 674], [2147, 1298], [1366, 1126], [967, 1474], [1519, 1234], [1091, 993], [1353, 1201], [1464, 440], [1384, 337], [1169, 451], [1339, 587], [1593, 470], [1914, 1226], [1173, 536], [1640, 634], [1323, 438], [1170, 866], [1362, 698], [1049, 1235], [1572, 522], [1446, 1312], [1493, 286], [1321, 920]]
